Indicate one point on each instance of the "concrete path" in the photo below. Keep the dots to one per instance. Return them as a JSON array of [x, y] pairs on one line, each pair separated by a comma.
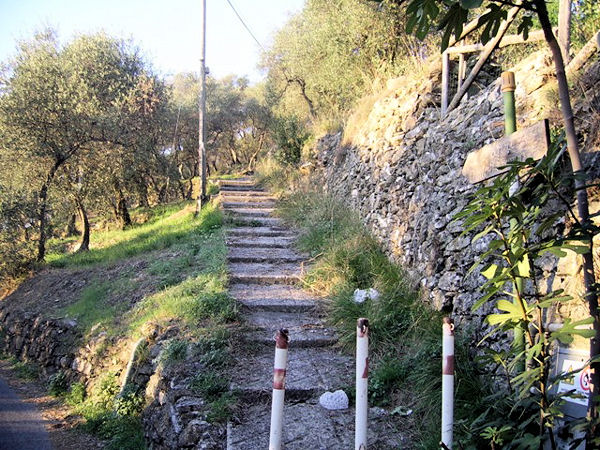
[[265, 271], [21, 426]]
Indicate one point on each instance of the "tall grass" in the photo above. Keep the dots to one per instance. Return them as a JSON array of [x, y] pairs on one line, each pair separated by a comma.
[[405, 334]]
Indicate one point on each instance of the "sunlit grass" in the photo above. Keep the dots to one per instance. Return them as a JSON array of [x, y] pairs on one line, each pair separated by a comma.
[[163, 230]]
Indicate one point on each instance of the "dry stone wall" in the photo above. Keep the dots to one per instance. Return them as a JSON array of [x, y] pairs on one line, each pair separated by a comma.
[[402, 173], [48, 342]]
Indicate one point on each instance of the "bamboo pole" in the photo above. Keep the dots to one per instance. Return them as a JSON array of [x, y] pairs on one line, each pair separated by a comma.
[[487, 51]]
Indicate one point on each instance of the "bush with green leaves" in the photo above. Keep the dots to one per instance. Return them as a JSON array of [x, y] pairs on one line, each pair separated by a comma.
[[58, 384], [521, 213]]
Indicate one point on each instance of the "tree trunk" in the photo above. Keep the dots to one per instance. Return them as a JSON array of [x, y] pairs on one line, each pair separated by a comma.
[[121, 209], [85, 235], [582, 203], [71, 228], [43, 206], [142, 188]]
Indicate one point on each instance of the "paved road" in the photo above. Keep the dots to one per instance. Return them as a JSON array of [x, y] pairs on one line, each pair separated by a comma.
[[21, 426]]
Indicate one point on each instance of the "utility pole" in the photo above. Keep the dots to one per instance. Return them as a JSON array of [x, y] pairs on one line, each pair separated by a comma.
[[202, 198]]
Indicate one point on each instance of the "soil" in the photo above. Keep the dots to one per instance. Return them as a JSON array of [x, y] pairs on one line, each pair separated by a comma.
[[60, 423]]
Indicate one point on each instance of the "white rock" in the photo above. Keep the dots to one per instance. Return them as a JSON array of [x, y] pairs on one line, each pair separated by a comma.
[[334, 400], [360, 295]]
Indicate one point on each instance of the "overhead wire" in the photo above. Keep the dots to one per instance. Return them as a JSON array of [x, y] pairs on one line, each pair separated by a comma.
[[246, 26]]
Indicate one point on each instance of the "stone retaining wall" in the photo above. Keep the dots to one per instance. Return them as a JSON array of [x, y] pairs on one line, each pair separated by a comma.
[[402, 173], [51, 343]]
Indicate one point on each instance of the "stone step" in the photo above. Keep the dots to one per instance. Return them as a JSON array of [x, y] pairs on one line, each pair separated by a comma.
[[237, 182], [241, 188], [248, 212], [256, 198], [257, 221], [260, 241], [264, 273], [259, 231], [248, 193], [309, 426], [273, 321], [310, 371], [302, 338], [262, 255], [248, 205], [304, 330]]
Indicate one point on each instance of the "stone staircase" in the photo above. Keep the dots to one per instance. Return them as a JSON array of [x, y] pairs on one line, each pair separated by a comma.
[[264, 274], [265, 271]]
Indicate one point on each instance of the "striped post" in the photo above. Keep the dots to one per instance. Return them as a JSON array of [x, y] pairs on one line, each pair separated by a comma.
[[281, 353], [362, 383], [447, 382]]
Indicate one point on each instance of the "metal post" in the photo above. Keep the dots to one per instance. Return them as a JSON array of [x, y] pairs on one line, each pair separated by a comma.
[[510, 126], [362, 384], [447, 382], [202, 112], [445, 81], [281, 353]]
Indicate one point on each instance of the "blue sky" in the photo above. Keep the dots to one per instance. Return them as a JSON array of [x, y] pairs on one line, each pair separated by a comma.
[[167, 31]]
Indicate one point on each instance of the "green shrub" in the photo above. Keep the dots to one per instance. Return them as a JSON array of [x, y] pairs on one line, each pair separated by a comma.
[[174, 351], [211, 385], [58, 384], [130, 402], [76, 394]]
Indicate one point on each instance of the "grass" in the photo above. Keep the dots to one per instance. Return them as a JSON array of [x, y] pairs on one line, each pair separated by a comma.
[[169, 269], [405, 334], [164, 229], [183, 262]]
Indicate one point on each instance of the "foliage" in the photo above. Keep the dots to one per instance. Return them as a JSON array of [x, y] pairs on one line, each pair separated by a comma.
[[58, 384], [289, 137], [326, 56], [174, 351], [518, 214]]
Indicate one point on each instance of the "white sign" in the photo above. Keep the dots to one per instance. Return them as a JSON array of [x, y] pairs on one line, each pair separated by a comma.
[[579, 382]]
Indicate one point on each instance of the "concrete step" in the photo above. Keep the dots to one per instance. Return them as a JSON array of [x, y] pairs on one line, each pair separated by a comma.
[[264, 273], [259, 231], [273, 321], [247, 205], [309, 372], [241, 188], [252, 221], [311, 338], [309, 426], [277, 292], [260, 242], [244, 181], [245, 192], [248, 212], [257, 197], [263, 255], [305, 426]]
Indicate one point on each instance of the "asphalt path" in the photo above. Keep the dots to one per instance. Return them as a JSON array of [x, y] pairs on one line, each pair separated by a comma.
[[21, 425]]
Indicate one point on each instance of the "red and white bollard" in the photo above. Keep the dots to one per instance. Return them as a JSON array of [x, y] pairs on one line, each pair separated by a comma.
[[362, 384], [281, 353], [447, 382]]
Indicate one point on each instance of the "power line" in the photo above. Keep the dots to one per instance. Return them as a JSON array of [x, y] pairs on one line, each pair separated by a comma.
[[246, 26]]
